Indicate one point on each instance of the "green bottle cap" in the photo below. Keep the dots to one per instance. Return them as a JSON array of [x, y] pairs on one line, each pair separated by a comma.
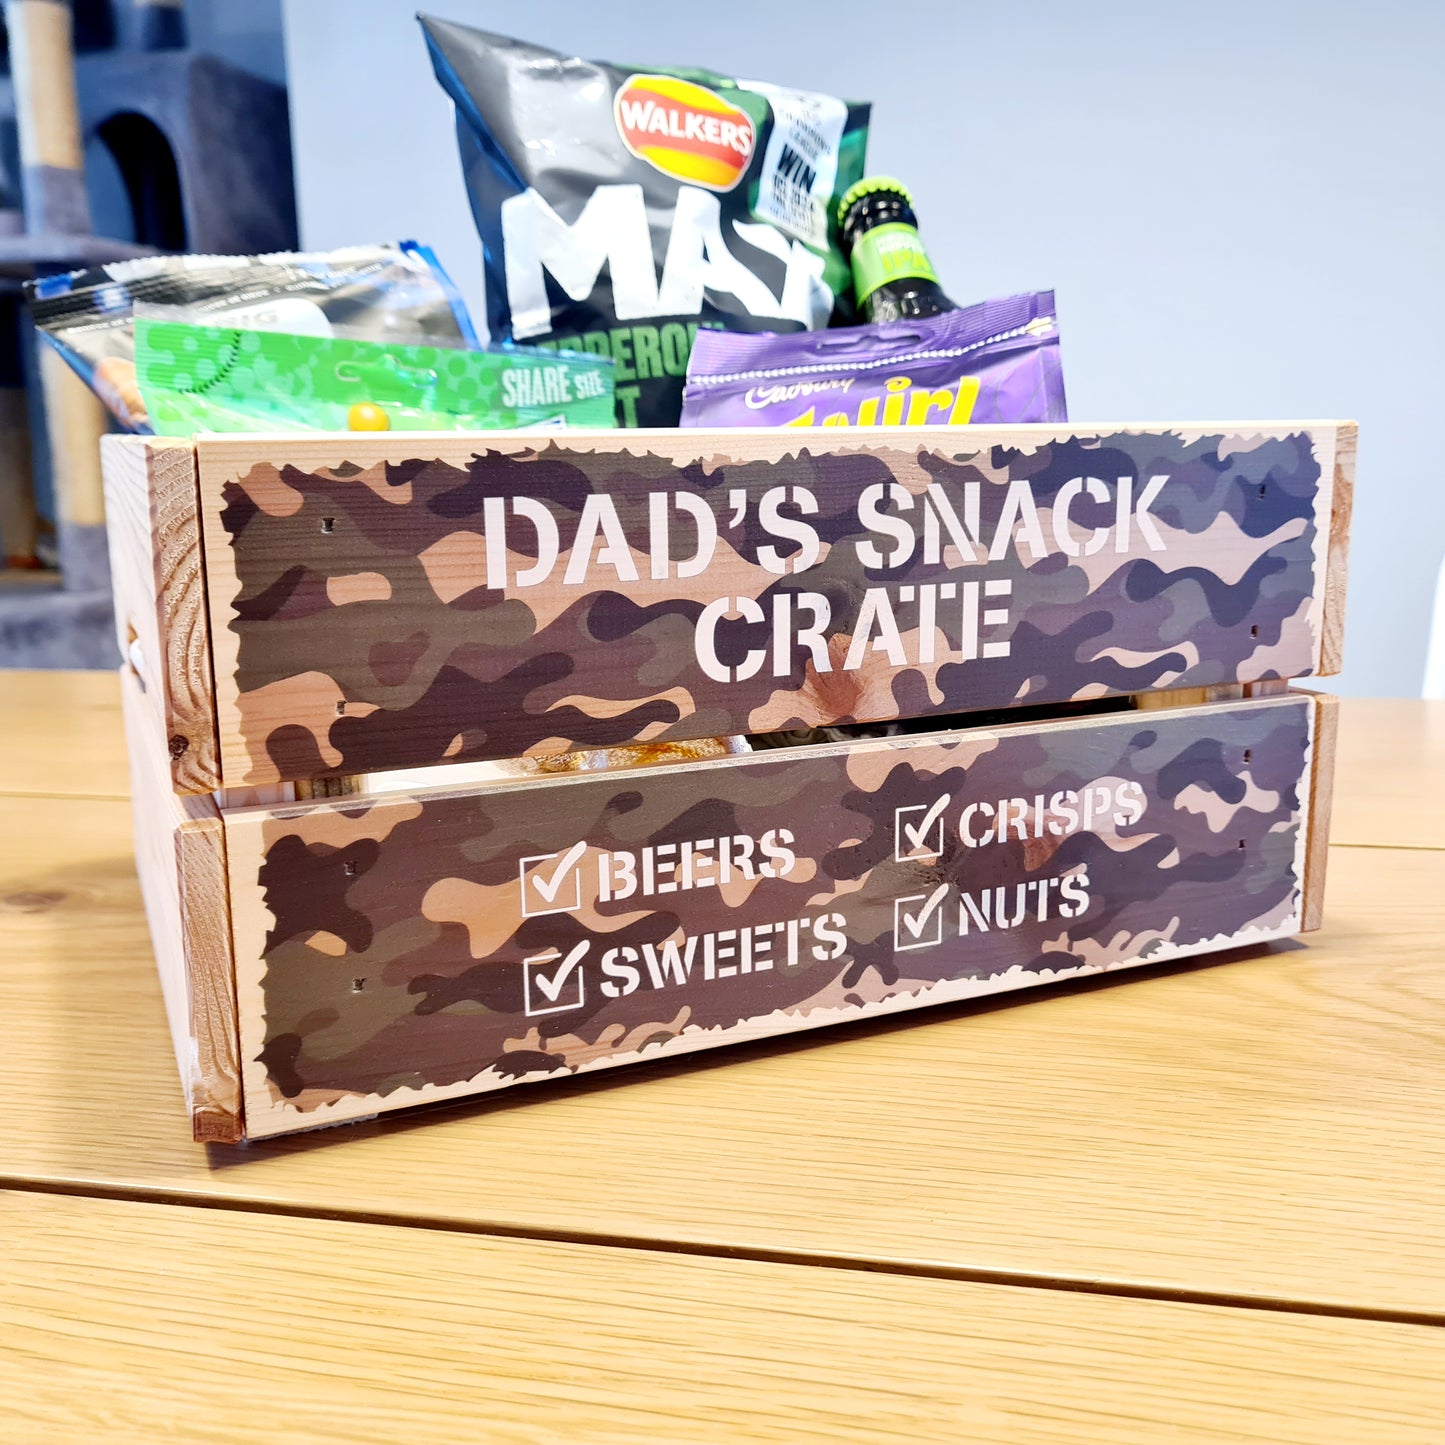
[[868, 186]]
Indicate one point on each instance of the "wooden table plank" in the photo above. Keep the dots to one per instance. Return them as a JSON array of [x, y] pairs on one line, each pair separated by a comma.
[[60, 734], [124, 1321], [1390, 774], [1271, 1127]]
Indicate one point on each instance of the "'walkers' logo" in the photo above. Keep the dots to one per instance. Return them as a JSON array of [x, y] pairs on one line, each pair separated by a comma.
[[685, 130]]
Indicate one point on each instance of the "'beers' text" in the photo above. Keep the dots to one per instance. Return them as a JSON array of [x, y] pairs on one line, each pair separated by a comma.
[[695, 863]]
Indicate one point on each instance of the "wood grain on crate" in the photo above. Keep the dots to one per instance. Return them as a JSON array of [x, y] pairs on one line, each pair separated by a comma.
[[1268, 1126], [359, 625], [1337, 574], [159, 583], [161, 627], [250, 1329], [1323, 745]]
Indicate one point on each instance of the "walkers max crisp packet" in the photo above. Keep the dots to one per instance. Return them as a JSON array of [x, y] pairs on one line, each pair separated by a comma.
[[994, 362], [620, 210]]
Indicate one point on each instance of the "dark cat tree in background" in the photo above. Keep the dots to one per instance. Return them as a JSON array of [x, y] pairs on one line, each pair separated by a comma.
[[202, 152]]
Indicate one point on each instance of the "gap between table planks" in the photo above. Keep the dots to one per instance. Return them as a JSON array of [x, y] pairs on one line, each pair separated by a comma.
[[1268, 1128], [328, 1330]]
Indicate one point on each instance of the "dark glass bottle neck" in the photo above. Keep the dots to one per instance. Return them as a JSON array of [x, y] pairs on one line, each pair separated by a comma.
[[907, 299], [904, 296], [880, 208]]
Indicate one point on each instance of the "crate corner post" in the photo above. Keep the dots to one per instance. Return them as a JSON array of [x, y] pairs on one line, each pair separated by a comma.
[[165, 693]]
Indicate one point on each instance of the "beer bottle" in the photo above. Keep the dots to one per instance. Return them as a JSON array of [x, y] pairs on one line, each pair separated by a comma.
[[893, 279]]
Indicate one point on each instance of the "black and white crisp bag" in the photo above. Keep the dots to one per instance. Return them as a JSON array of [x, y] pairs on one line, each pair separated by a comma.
[[622, 209]]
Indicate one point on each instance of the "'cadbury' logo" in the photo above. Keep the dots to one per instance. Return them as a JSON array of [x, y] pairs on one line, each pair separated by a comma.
[[684, 130]]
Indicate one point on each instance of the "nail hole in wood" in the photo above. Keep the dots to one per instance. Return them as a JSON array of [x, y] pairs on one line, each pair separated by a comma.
[[340, 709], [328, 524], [1253, 632], [1241, 842], [351, 869], [1248, 754], [357, 984], [1261, 489]]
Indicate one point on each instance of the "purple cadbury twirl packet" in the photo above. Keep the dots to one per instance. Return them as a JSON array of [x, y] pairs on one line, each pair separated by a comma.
[[996, 362]]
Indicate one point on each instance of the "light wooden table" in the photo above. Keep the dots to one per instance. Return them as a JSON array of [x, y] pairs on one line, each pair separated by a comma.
[[1198, 1204]]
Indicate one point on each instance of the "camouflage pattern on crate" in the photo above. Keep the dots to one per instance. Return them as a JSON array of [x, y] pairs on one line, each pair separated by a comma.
[[419, 946], [411, 611]]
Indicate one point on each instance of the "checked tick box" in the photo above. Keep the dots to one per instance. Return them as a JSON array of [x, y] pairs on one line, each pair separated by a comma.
[[551, 882], [918, 832], [554, 984], [918, 920]]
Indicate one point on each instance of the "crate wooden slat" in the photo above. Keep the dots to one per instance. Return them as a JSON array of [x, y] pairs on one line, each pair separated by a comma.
[[376, 606], [415, 947], [302, 614]]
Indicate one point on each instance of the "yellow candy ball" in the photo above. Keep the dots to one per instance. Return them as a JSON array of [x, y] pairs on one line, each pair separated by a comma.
[[367, 416]]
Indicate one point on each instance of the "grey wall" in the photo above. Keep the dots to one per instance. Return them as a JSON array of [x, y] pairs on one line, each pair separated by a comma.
[[248, 34], [1239, 204]]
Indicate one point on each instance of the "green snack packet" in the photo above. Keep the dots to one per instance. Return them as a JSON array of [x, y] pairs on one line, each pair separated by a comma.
[[221, 378]]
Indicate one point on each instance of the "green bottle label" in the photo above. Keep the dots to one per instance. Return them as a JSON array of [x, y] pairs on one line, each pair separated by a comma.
[[888, 253]]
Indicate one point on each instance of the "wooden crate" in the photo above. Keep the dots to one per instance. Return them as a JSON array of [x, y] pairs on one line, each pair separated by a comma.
[[1116, 611]]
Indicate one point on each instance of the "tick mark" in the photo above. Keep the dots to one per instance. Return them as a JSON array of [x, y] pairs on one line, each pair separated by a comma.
[[549, 888], [911, 927], [550, 988]]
